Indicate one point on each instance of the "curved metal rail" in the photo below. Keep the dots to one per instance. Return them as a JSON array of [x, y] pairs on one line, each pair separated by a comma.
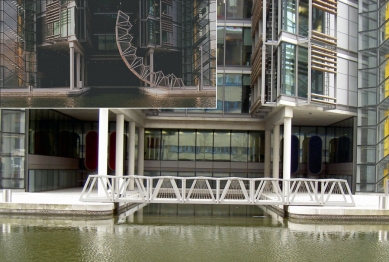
[[134, 63], [211, 190]]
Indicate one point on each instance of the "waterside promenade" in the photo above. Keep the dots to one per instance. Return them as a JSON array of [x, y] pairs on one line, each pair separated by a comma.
[[66, 202]]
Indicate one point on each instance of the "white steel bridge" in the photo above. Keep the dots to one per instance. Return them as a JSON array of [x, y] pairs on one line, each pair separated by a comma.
[[211, 190]]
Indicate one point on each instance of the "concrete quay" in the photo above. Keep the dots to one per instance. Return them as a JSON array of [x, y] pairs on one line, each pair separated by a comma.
[[56, 202], [43, 92], [66, 202]]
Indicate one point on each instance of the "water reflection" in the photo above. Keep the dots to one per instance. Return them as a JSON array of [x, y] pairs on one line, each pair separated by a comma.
[[111, 97], [143, 235]]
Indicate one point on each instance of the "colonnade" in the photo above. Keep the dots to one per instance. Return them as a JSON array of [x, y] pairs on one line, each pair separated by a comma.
[[282, 117]]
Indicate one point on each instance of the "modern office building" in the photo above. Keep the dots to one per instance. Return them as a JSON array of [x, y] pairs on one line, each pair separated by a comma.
[[301, 93], [60, 43]]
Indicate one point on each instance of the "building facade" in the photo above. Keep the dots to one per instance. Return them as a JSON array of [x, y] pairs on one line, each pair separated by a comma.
[[297, 97]]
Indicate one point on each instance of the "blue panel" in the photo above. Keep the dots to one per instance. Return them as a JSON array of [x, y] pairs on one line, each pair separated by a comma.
[[315, 155], [294, 156]]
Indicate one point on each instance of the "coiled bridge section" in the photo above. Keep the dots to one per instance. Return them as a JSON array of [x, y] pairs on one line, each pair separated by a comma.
[[128, 53]]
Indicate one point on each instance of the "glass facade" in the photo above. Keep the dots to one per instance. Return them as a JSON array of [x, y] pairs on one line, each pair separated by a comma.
[[234, 9], [204, 145], [373, 101], [12, 153], [17, 44]]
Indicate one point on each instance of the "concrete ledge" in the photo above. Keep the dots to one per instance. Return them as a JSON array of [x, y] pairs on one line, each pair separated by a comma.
[[44, 92], [57, 209]]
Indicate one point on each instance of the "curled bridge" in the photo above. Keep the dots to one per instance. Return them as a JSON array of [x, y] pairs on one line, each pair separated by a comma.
[[128, 53]]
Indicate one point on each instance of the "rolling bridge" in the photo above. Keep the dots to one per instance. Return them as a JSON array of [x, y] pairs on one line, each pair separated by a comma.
[[135, 63], [211, 190]]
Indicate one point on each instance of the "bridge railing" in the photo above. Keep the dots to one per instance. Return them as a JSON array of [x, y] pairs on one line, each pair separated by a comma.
[[211, 190]]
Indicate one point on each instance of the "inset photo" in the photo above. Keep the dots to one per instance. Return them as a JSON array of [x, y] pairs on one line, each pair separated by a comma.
[[108, 53]]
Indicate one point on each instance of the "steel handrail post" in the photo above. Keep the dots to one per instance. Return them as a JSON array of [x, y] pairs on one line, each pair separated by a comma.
[[183, 190], [217, 191]]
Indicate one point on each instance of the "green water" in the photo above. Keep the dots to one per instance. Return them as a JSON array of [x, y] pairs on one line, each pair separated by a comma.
[[110, 97], [155, 235]]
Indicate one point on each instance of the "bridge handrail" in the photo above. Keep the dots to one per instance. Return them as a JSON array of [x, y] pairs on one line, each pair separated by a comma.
[[233, 190], [221, 178]]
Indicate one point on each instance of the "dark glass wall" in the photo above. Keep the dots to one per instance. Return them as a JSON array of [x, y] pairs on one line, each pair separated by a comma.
[[204, 145]]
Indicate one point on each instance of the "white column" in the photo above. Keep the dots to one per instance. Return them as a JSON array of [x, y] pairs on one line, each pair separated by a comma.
[[78, 68], [71, 65], [267, 152], [131, 152], [103, 148], [83, 71], [276, 151], [141, 150], [287, 146], [131, 149], [119, 145]]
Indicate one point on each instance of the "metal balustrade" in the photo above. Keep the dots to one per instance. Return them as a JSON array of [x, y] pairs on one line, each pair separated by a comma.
[[211, 190], [128, 53]]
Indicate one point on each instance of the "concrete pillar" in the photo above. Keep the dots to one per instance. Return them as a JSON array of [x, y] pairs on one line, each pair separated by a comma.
[[276, 151], [71, 65], [141, 150], [131, 149], [287, 146], [78, 69], [83, 71], [131, 152], [119, 145], [267, 152], [103, 148]]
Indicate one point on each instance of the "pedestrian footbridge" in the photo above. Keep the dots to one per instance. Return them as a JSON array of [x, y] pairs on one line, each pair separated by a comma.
[[211, 190]]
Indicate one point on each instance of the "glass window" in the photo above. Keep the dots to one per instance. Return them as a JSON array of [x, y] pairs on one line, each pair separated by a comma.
[[221, 146], [237, 9], [187, 145], [220, 45], [13, 121], [204, 145], [234, 45], [239, 149], [303, 17], [233, 93], [12, 144], [12, 172], [254, 153], [152, 144], [169, 147], [288, 69], [302, 72], [289, 16], [317, 82], [247, 43]]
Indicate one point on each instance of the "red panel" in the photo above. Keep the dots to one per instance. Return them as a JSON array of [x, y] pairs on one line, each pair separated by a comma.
[[112, 151], [91, 150]]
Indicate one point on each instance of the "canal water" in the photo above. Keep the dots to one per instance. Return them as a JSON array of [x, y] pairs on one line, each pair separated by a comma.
[[109, 97], [168, 233]]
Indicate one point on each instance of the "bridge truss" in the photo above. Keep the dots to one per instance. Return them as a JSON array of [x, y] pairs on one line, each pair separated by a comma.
[[211, 190]]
